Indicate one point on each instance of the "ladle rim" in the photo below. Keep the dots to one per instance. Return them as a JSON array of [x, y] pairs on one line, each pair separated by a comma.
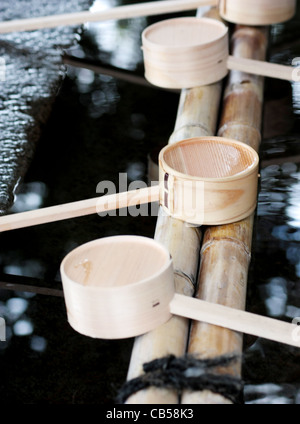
[[240, 175], [162, 47], [116, 239]]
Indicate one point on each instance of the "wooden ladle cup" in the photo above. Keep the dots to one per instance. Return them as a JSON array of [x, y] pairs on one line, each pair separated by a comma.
[[123, 286], [257, 12], [189, 52]]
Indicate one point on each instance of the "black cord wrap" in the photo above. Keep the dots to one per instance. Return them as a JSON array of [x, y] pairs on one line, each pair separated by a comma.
[[186, 373]]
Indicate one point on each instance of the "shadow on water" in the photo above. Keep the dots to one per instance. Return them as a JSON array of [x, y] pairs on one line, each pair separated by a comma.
[[100, 127]]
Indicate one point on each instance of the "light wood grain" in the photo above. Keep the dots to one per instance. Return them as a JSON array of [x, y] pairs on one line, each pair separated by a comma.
[[117, 287], [79, 208], [185, 52], [120, 12], [264, 69], [208, 180], [234, 319], [257, 12]]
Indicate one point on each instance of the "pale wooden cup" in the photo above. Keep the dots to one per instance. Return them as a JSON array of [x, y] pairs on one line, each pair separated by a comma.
[[208, 180], [257, 12], [117, 287], [123, 286], [185, 52]]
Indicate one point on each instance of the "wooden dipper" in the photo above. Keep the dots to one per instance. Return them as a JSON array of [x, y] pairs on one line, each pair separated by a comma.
[[123, 286], [203, 181], [247, 12], [257, 12], [189, 52]]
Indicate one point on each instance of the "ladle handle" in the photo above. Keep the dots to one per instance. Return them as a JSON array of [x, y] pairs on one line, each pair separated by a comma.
[[80, 208], [120, 12], [264, 69], [237, 320]]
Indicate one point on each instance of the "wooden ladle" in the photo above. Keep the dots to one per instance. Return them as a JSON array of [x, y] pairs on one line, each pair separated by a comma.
[[202, 181], [257, 12], [123, 286], [248, 12], [189, 52], [120, 12]]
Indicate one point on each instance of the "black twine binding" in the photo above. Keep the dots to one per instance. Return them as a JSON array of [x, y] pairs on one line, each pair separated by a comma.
[[186, 372]]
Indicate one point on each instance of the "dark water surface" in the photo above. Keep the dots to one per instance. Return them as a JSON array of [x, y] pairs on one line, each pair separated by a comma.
[[100, 127], [33, 72]]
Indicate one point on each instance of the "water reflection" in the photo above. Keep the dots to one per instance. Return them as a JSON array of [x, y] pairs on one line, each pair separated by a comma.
[[16, 306], [279, 199], [277, 32], [293, 210], [276, 295], [293, 214], [24, 268], [271, 394], [98, 93], [30, 196], [85, 78], [296, 98], [135, 171], [271, 196], [17, 322], [296, 89], [120, 40], [38, 343], [23, 327], [292, 312], [116, 43]]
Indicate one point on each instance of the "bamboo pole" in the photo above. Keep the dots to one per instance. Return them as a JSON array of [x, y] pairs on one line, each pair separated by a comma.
[[226, 250], [197, 116]]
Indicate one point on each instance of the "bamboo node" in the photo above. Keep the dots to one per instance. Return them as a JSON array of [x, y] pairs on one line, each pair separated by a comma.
[[188, 287], [235, 241], [193, 127]]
